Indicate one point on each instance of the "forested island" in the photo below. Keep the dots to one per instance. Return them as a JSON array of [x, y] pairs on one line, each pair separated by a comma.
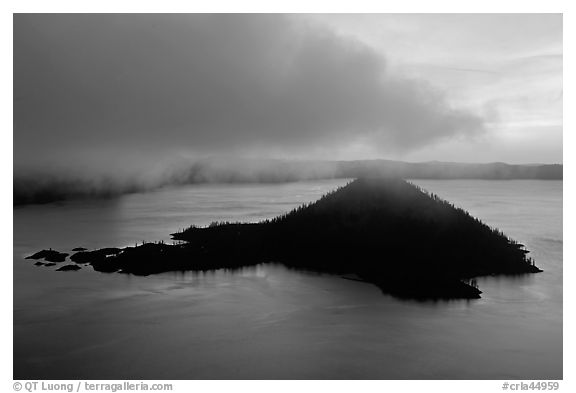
[[382, 230]]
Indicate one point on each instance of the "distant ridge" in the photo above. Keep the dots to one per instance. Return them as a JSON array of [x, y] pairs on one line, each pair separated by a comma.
[[451, 170], [43, 188]]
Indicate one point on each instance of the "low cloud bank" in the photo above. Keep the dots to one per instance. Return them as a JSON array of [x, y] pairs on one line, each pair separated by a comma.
[[43, 188], [98, 90]]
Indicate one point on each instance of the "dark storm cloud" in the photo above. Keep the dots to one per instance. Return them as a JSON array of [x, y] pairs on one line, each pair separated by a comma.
[[105, 90]]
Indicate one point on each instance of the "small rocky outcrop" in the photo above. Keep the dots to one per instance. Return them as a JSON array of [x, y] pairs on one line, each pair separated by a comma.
[[67, 268], [49, 255]]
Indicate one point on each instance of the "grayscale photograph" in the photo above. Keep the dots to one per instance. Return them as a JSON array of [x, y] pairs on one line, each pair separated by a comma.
[[242, 196]]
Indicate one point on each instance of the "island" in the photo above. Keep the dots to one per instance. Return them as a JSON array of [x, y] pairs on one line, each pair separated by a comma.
[[381, 230]]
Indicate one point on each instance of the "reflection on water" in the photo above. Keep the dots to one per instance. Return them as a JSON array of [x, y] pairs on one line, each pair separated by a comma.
[[270, 322]]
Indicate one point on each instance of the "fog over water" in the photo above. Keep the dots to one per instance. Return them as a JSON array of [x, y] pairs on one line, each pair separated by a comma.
[[270, 322]]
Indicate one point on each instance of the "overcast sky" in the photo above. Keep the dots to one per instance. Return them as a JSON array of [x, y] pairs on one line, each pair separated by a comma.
[[507, 67], [109, 91]]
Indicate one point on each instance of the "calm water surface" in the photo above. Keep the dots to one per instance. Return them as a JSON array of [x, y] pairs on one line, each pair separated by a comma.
[[268, 321]]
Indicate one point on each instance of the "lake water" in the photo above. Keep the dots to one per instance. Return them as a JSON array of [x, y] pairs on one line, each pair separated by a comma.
[[268, 322]]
